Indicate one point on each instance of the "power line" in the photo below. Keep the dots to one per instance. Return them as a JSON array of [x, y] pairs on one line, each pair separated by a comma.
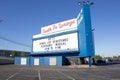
[[18, 43]]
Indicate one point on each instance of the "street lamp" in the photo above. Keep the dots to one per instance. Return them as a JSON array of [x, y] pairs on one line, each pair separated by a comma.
[[85, 3]]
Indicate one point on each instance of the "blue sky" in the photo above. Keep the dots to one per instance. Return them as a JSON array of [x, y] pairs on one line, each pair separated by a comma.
[[24, 18]]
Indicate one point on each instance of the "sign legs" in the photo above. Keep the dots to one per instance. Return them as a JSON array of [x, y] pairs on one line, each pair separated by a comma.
[[90, 61]]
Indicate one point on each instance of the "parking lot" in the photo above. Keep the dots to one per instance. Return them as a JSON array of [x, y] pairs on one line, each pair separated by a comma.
[[16, 72]]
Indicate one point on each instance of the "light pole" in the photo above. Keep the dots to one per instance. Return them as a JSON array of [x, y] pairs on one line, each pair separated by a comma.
[[85, 3]]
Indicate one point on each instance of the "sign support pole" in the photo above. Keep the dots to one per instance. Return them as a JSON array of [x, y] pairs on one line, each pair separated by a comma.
[[90, 61]]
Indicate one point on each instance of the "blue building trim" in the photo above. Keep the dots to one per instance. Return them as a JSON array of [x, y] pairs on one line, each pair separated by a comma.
[[53, 52], [32, 60], [58, 60], [17, 61], [56, 54], [54, 35]]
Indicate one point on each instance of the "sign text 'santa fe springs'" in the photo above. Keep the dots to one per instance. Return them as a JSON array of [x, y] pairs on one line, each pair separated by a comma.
[[64, 42], [66, 25]]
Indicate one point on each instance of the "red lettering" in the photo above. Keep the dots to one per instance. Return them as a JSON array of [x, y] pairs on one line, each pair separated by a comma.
[[54, 27], [47, 30], [72, 22], [66, 24]]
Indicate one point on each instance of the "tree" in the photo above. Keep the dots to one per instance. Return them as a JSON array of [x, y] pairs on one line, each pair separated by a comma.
[[14, 53], [119, 56], [97, 57], [23, 54], [115, 56], [108, 58]]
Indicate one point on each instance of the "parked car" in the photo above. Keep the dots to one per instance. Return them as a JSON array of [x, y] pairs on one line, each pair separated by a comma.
[[101, 62]]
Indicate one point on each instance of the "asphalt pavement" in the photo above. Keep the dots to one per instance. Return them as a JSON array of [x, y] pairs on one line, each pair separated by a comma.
[[17, 72]]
